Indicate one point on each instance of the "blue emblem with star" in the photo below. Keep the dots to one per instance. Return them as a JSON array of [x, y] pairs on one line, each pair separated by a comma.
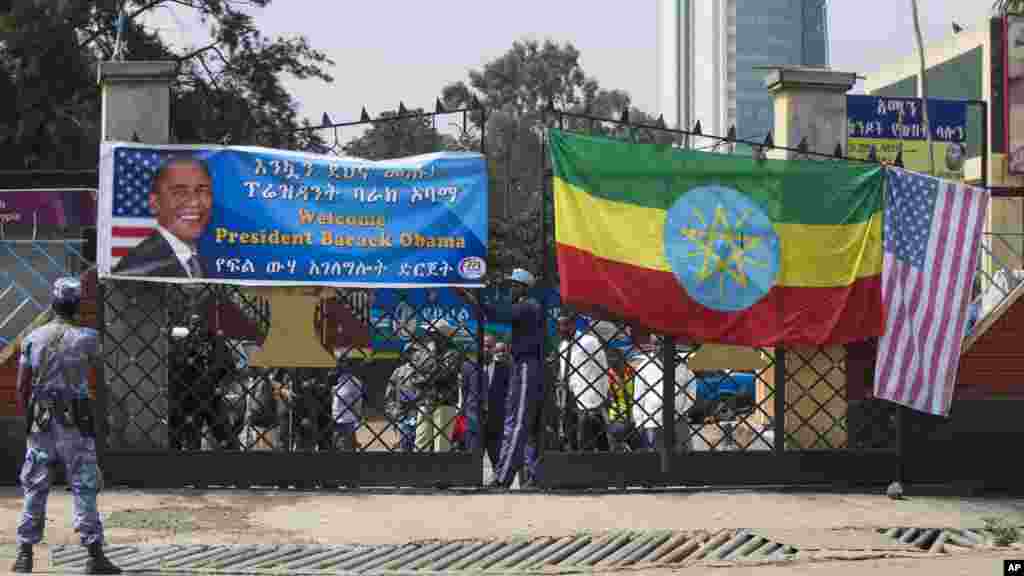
[[722, 247]]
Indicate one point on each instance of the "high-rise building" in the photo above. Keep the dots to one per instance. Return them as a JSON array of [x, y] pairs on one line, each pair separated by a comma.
[[710, 53]]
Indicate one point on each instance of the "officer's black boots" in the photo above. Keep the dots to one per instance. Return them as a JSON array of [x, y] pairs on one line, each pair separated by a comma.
[[23, 561], [98, 562]]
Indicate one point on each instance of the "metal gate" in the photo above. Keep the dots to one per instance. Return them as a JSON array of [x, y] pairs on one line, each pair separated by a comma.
[[765, 416], [192, 398]]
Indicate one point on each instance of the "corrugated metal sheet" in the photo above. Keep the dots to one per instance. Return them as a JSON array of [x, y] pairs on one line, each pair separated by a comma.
[[609, 550]]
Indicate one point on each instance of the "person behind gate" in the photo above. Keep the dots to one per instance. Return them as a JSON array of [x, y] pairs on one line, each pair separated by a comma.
[[406, 391], [440, 396], [498, 370], [526, 388], [585, 368], [474, 392], [347, 405], [199, 366], [53, 394]]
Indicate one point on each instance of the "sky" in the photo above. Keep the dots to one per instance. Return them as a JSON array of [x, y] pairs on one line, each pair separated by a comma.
[[388, 51]]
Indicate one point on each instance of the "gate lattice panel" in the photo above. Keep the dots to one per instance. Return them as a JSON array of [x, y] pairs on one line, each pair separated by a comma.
[[182, 394]]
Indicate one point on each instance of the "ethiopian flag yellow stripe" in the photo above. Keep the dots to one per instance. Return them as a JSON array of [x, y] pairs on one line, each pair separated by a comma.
[[811, 255]]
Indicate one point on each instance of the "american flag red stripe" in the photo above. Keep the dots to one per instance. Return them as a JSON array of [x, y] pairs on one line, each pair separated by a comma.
[[131, 231], [132, 220], [126, 233], [932, 237]]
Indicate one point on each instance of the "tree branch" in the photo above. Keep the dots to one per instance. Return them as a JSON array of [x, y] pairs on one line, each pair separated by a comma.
[[100, 30], [195, 53]]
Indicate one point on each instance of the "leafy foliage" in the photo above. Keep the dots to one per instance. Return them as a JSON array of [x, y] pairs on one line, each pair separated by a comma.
[[516, 89], [230, 89], [410, 136]]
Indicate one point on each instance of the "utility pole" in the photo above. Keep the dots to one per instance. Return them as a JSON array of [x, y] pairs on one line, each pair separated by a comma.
[[924, 88]]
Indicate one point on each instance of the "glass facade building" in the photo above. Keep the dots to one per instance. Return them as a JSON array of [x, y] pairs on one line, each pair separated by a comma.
[[711, 55]]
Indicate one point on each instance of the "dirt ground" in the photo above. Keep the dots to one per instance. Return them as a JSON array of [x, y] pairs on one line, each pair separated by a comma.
[[253, 517], [368, 518]]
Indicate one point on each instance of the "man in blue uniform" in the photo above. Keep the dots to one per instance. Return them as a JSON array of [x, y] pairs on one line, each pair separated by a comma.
[[525, 388], [54, 396]]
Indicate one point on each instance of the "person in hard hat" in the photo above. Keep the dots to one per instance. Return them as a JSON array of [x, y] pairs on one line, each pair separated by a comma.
[[53, 394], [525, 387]]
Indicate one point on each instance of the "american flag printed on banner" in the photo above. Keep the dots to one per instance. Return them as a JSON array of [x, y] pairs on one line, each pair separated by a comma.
[[132, 221], [932, 232]]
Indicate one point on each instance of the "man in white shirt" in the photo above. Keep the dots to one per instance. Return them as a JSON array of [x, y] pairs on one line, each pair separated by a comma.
[[584, 366], [181, 199], [648, 396]]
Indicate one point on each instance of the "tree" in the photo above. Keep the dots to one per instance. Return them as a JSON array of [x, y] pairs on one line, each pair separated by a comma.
[[515, 89], [229, 89], [396, 138]]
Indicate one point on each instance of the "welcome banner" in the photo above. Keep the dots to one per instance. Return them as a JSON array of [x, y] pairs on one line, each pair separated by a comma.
[[258, 216]]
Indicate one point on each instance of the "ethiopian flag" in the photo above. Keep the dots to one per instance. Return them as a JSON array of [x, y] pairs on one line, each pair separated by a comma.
[[719, 248]]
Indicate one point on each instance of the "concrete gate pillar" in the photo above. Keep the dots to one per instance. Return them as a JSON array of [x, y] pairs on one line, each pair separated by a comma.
[[136, 104], [811, 103]]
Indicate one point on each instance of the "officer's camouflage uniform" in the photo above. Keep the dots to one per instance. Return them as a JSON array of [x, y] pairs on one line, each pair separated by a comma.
[[60, 429], [72, 348]]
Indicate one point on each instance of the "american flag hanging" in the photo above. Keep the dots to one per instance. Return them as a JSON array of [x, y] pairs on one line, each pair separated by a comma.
[[132, 220], [933, 230]]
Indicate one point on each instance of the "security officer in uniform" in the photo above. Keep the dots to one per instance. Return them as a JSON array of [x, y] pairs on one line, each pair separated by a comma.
[[54, 395]]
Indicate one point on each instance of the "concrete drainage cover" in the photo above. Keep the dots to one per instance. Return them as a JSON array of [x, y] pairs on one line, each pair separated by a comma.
[[605, 551], [939, 540]]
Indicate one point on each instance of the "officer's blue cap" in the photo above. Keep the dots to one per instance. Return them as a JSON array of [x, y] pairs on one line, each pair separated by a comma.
[[67, 290]]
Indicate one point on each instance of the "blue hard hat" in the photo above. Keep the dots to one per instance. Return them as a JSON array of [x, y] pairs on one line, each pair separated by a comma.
[[67, 290], [522, 277]]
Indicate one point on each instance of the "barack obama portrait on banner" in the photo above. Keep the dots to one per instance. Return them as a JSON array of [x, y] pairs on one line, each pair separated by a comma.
[[181, 199]]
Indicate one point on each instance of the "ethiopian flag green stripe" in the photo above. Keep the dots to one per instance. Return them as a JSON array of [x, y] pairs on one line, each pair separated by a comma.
[[654, 176], [717, 248]]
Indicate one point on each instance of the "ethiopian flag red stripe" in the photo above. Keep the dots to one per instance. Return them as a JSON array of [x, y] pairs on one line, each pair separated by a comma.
[[718, 248]]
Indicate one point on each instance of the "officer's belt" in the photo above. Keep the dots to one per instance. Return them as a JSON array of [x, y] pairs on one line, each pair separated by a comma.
[[68, 412]]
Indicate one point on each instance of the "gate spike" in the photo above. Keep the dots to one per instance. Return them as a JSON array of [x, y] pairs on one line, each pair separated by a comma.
[[802, 146], [364, 117], [697, 130], [769, 141], [839, 150], [661, 121], [325, 120], [899, 158], [439, 107], [401, 109], [135, 137], [732, 133], [625, 115]]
